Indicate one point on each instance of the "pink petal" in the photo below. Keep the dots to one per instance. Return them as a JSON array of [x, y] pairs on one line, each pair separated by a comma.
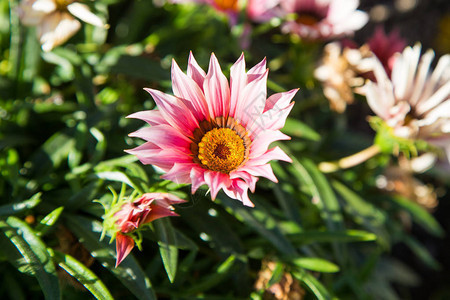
[[165, 159], [164, 136], [216, 181], [124, 245], [216, 89], [252, 101], [152, 117], [195, 72], [238, 81], [272, 154], [174, 111], [239, 190], [159, 212], [185, 87], [263, 170], [263, 140], [257, 71], [180, 173], [249, 179], [273, 119], [280, 100], [197, 178]]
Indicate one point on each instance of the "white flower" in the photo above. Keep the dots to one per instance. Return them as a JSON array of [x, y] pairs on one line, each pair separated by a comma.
[[414, 102], [55, 19]]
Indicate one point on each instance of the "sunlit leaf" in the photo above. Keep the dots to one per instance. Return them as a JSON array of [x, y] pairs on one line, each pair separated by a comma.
[[81, 273], [166, 241], [35, 254], [316, 264]]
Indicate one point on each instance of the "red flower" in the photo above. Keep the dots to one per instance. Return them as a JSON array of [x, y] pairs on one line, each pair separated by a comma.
[[148, 207]]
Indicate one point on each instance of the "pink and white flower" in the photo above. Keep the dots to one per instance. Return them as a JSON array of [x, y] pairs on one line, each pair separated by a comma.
[[55, 19], [414, 102], [215, 133], [132, 215], [263, 10], [323, 19]]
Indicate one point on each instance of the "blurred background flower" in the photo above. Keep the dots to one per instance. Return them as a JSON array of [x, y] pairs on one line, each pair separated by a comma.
[[322, 19], [56, 19]]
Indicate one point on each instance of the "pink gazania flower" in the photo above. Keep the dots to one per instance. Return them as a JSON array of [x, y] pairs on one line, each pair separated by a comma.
[[132, 215], [323, 19], [414, 102], [263, 10], [55, 19], [214, 133]]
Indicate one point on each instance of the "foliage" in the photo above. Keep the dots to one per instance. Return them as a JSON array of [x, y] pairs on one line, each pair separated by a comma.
[[63, 131]]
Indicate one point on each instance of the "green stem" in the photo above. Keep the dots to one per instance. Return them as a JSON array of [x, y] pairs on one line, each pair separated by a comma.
[[349, 161]]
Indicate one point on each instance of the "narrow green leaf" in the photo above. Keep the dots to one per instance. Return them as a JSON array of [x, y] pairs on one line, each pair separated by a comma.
[[266, 225], [420, 216], [347, 236], [166, 241], [294, 127], [129, 272], [13, 208], [222, 272], [321, 191], [421, 252], [48, 221], [35, 254], [81, 273], [120, 177], [316, 264], [277, 274], [313, 284], [362, 210]]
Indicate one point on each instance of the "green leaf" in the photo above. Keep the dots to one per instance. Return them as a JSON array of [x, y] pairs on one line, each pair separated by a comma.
[[129, 272], [81, 273], [347, 236], [119, 177], [262, 222], [48, 221], [313, 284], [363, 211], [277, 274], [420, 216], [35, 254], [222, 272], [166, 241], [13, 208], [316, 264], [294, 127], [321, 191], [420, 251]]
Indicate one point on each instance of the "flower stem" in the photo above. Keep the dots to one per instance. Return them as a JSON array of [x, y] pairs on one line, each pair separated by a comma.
[[349, 161]]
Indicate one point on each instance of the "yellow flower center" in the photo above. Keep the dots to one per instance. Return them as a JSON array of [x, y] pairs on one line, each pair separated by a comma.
[[227, 4], [221, 150]]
